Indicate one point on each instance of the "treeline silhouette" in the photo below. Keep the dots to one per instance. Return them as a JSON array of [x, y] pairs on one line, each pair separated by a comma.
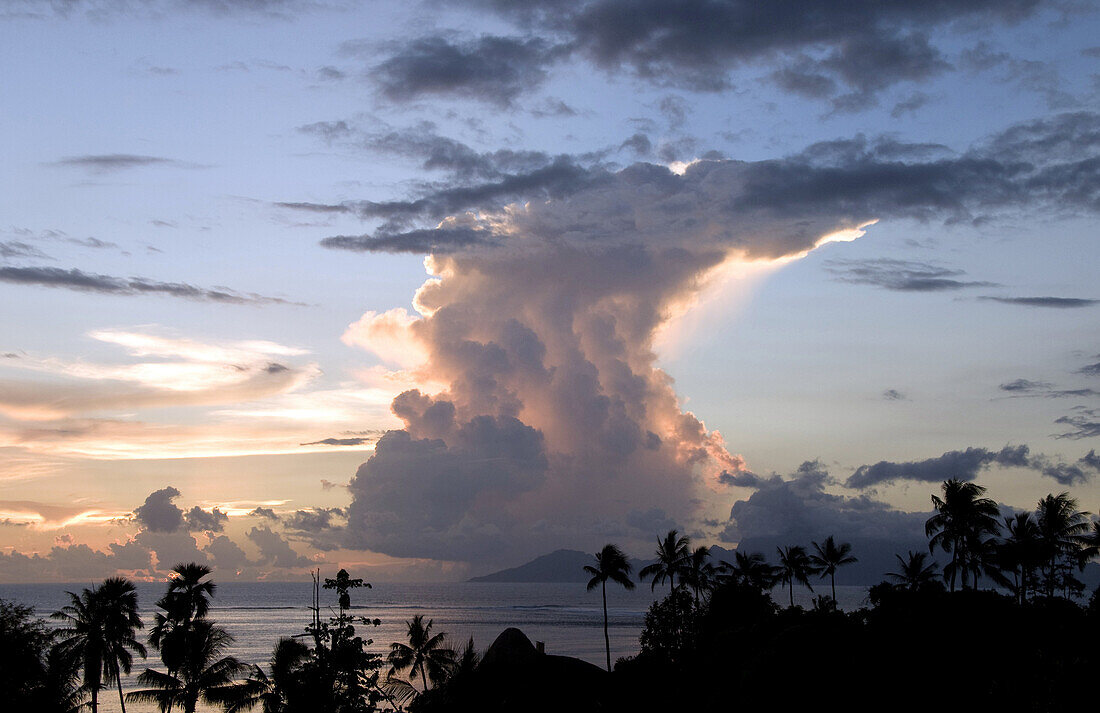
[[928, 639]]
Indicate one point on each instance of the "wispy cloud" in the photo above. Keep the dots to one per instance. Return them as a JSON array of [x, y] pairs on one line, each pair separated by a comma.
[[74, 279], [115, 162], [1053, 302]]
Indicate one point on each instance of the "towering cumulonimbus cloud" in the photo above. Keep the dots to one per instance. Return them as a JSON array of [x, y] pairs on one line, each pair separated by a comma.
[[542, 419], [554, 426]]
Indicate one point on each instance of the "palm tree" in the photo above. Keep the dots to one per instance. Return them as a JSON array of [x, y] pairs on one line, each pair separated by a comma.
[[751, 570], [203, 673], [795, 566], [914, 574], [186, 601], [274, 693], [1063, 531], [962, 518], [611, 564], [698, 573], [1020, 552], [830, 556], [425, 654], [83, 640], [118, 607], [671, 553]]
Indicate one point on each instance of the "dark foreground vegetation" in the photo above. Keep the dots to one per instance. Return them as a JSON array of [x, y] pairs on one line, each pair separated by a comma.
[[927, 640]]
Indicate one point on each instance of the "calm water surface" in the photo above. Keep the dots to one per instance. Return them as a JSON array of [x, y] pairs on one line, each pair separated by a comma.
[[564, 616]]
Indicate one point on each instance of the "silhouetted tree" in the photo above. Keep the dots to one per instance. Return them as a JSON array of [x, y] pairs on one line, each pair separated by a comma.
[[1063, 531], [672, 552], [795, 566], [279, 692], [750, 570], [913, 574], [343, 584], [1019, 552], [186, 601], [203, 673], [425, 655], [698, 572], [34, 673], [118, 607], [829, 556], [83, 640], [963, 517], [611, 563]]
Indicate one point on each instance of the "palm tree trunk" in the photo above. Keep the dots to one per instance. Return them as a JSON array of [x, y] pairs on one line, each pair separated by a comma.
[[606, 638], [790, 583], [832, 581], [423, 678], [95, 700], [121, 699]]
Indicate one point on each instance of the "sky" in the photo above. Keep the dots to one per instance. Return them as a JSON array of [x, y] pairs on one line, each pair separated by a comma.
[[426, 289]]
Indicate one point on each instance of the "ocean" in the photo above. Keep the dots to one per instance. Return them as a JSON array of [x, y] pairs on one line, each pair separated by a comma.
[[566, 617]]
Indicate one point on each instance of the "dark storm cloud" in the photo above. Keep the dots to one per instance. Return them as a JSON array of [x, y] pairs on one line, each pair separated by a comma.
[[490, 69], [861, 45], [264, 512], [797, 509], [198, 519], [487, 458], [967, 464], [1053, 162], [562, 177], [915, 101], [963, 465], [74, 279], [109, 163], [159, 513], [274, 550], [900, 275], [314, 520], [1054, 302]]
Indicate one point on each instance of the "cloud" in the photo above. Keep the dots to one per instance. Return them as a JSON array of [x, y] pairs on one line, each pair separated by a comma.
[[159, 513], [74, 279], [111, 163], [1084, 421], [227, 554], [19, 249], [967, 464], [899, 275], [1024, 385], [862, 47], [539, 334], [893, 395], [798, 509], [434, 152], [169, 371], [359, 441], [490, 68], [1090, 369], [264, 512], [1055, 302], [314, 520], [274, 550], [844, 183], [198, 519]]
